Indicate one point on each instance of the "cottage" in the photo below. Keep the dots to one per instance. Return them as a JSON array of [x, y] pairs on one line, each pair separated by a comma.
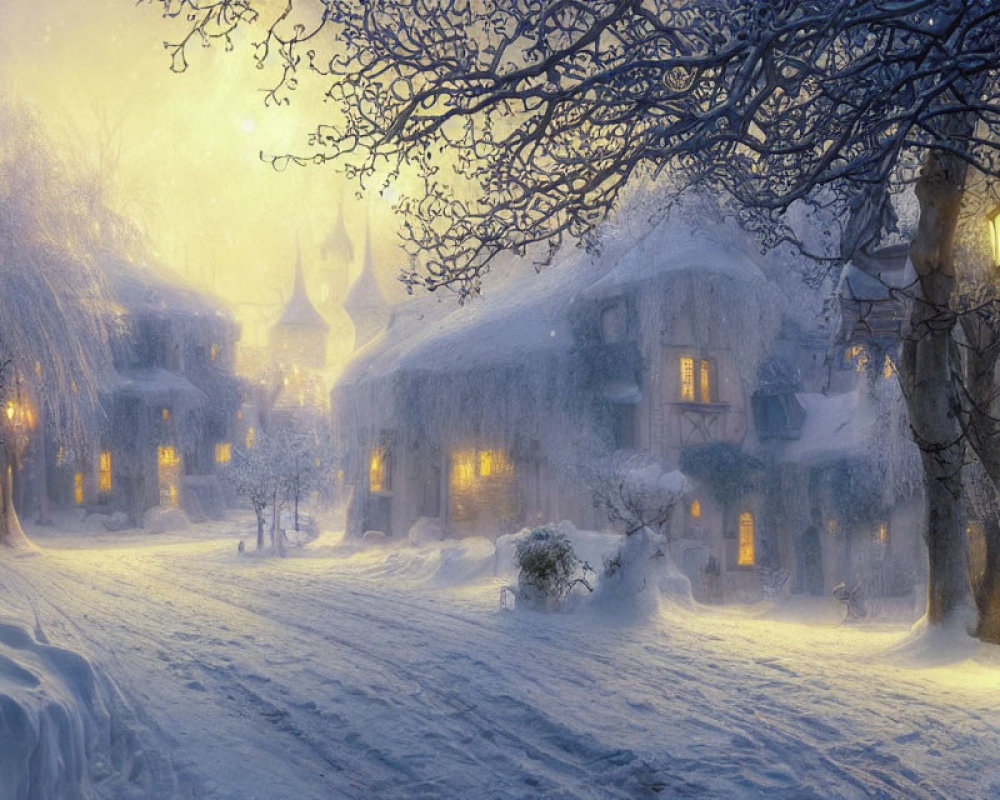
[[162, 439]]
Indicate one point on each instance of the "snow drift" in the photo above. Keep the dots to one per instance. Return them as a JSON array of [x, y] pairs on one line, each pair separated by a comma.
[[58, 734]]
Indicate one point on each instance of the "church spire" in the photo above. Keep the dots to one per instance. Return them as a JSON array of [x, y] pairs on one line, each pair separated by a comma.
[[365, 303]]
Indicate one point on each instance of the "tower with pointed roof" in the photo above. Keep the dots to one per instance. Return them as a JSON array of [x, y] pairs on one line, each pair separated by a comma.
[[298, 338], [365, 304], [337, 253]]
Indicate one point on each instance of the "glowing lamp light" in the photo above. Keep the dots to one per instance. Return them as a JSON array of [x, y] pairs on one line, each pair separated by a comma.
[[10, 411], [993, 218]]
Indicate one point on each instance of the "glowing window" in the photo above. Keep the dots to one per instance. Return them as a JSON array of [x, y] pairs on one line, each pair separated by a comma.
[[492, 462], [378, 472], [223, 452], [831, 527], [881, 533], [888, 368], [166, 456], [696, 509], [165, 414], [104, 472], [463, 469], [78, 488], [250, 438], [687, 379], [855, 357], [747, 556], [705, 382], [214, 352]]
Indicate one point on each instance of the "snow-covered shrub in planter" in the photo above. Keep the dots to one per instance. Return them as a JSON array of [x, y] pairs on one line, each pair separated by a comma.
[[549, 568]]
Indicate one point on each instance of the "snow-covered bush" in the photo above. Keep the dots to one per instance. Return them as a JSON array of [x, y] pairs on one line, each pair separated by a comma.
[[638, 575], [549, 568]]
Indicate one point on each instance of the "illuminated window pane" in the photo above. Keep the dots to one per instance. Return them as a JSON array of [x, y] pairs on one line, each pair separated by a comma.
[[214, 353], [881, 533], [705, 382], [463, 473], [747, 556], [696, 509], [223, 452], [165, 414], [104, 472], [687, 379], [166, 455], [78, 488], [378, 473], [251, 437]]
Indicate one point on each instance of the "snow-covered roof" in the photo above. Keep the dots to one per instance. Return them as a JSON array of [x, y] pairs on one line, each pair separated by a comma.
[[141, 289], [675, 248], [154, 385], [833, 428], [299, 312], [523, 314], [873, 277]]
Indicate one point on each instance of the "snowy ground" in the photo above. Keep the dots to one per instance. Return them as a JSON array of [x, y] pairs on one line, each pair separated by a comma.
[[394, 675]]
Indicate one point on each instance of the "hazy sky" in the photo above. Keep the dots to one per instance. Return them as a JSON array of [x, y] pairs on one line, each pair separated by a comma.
[[187, 167]]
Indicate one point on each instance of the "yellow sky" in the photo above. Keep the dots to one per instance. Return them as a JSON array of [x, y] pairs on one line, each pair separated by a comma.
[[188, 170]]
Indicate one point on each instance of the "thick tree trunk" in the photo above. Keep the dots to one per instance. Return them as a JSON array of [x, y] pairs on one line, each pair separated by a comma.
[[11, 533], [988, 590], [260, 529], [982, 428], [929, 387]]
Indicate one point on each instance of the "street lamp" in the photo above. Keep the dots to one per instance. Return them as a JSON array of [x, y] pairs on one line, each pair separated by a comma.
[[993, 218]]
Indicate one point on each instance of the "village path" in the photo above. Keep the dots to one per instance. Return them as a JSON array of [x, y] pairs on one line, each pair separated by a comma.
[[330, 677]]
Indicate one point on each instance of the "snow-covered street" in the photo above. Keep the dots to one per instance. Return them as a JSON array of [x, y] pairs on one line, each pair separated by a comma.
[[394, 675]]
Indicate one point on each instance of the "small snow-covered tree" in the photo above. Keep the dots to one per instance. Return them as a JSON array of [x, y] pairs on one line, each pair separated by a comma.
[[634, 491], [253, 475]]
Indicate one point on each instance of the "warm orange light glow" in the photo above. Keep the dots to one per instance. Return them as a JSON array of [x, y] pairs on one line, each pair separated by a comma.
[[165, 414], [10, 411], [78, 488], [747, 555], [888, 368], [214, 353], [696, 509], [104, 472], [993, 220], [882, 532], [250, 438], [463, 473], [706, 384], [831, 526], [377, 472], [223, 452], [687, 379], [167, 456]]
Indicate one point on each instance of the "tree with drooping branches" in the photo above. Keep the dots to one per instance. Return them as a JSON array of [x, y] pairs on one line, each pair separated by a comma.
[[547, 109]]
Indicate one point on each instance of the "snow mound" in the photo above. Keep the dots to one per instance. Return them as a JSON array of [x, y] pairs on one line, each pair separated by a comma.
[[929, 645], [642, 574], [57, 735], [424, 531], [161, 519]]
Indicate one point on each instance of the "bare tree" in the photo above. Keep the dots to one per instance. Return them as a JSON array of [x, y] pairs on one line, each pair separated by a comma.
[[253, 476], [549, 107]]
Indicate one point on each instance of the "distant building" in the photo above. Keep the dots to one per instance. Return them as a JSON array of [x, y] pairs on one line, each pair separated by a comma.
[[365, 303], [171, 412], [298, 338]]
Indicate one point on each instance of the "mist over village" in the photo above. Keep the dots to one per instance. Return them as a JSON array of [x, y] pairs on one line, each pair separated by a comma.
[[499, 399]]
